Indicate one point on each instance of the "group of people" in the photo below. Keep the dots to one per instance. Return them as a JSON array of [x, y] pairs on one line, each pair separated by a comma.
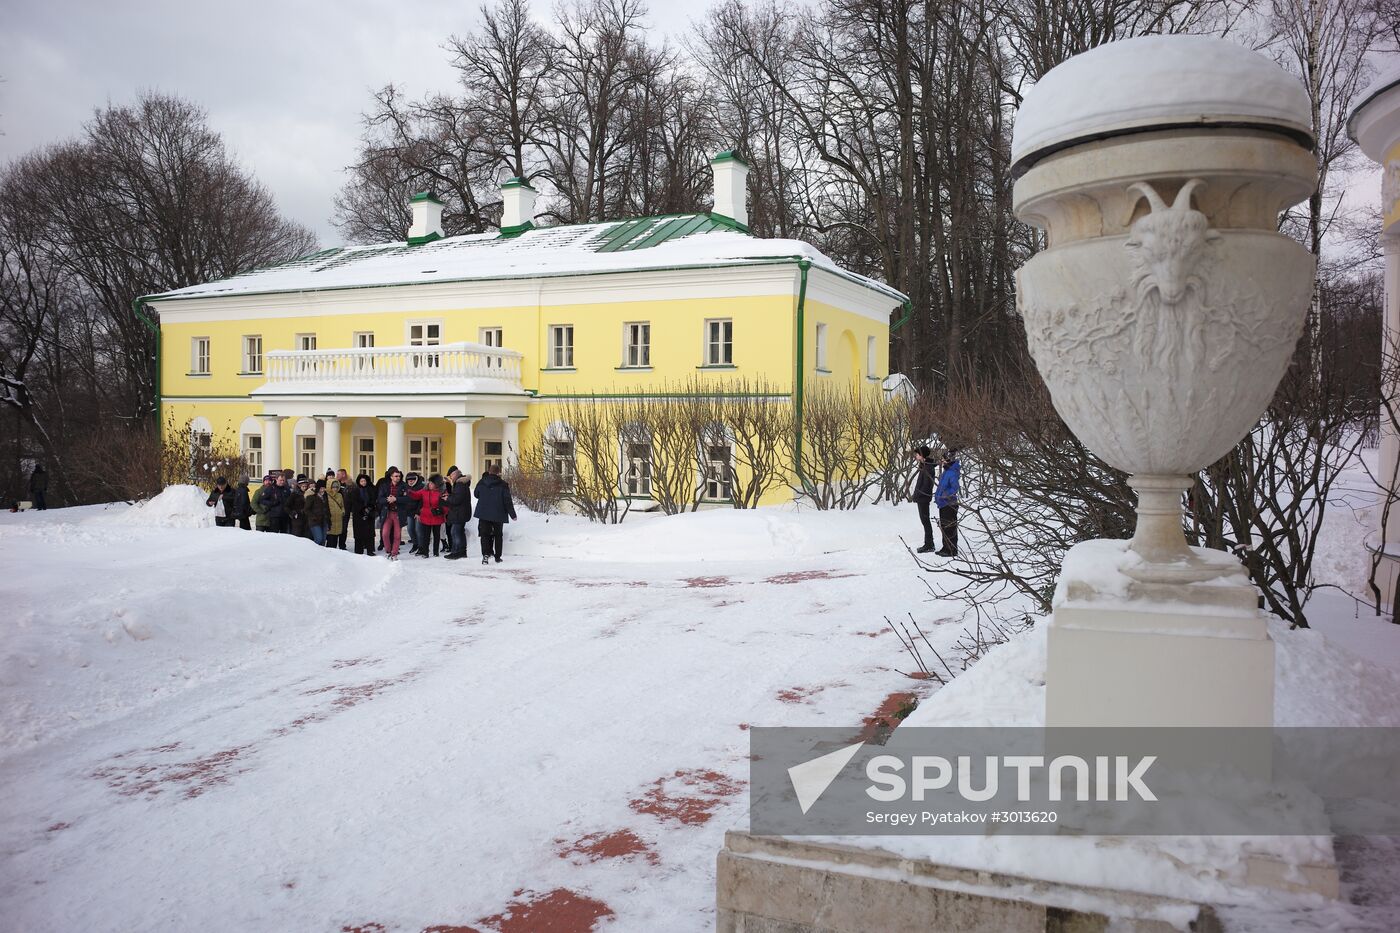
[[375, 515], [942, 491]]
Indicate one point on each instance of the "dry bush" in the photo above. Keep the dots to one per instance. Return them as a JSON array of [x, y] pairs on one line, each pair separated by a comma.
[[855, 446], [536, 485], [760, 431]]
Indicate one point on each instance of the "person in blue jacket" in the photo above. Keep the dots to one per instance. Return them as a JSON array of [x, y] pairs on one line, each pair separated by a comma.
[[946, 498]]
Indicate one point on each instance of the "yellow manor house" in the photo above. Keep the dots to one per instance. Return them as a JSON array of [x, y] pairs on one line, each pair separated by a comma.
[[442, 350]]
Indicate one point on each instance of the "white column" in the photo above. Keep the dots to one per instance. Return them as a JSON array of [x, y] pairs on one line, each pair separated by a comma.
[[394, 446], [272, 442], [464, 447], [510, 448], [1390, 347], [330, 439]]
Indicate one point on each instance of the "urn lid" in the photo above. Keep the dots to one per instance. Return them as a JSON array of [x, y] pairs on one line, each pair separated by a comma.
[[1375, 119], [1152, 83]]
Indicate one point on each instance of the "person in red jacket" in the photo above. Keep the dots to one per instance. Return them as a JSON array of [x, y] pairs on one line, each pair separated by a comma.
[[432, 512]]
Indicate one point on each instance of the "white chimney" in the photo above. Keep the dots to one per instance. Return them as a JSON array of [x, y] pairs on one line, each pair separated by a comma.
[[518, 206], [427, 218], [731, 187]]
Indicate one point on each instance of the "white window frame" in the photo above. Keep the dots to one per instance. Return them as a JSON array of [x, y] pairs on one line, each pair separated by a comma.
[[304, 466], [491, 337], [252, 354], [561, 350], [357, 445], [488, 458], [362, 340], [638, 482], [819, 346], [430, 360], [717, 488], [870, 357], [636, 345], [306, 341], [564, 465], [199, 356], [715, 343], [430, 457], [253, 455]]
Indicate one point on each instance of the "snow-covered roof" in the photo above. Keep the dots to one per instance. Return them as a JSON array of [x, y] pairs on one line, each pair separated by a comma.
[[639, 244], [1148, 81]]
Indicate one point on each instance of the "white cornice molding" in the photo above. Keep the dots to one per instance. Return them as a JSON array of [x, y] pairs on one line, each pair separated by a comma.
[[832, 289], [609, 288]]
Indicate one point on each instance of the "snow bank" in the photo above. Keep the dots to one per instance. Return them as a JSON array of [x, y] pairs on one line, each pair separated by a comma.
[[176, 507], [125, 609]]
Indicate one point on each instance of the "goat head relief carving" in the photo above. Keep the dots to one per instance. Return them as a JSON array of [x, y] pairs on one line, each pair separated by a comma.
[[1168, 244]]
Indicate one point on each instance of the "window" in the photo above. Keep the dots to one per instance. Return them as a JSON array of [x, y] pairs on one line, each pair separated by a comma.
[[491, 337], [719, 475], [821, 348], [425, 455], [561, 454], [306, 341], [871, 366], [636, 345], [492, 454], [252, 353], [253, 455], [719, 343], [202, 442], [425, 334], [306, 455], [363, 340], [561, 346], [638, 478], [364, 455], [199, 356]]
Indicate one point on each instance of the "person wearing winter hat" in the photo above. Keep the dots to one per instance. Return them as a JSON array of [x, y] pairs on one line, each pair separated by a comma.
[[339, 517], [946, 498], [364, 506], [432, 512], [255, 503], [221, 500], [922, 494], [459, 512], [318, 513], [296, 509], [411, 528], [242, 504]]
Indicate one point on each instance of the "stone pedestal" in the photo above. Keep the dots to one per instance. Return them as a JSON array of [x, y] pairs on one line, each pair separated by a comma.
[[1126, 653]]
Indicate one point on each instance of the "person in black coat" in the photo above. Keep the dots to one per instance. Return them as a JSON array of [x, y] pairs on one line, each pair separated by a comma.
[[459, 512], [296, 509], [242, 504], [395, 505], [362, 502], [923, 494], [39, 487], [494, 508], [273, 504], [221, 500]]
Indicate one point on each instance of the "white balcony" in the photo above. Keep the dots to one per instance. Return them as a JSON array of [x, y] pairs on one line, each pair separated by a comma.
[[448, 368]]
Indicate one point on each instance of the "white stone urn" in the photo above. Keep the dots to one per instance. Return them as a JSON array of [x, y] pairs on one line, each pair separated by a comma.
[[1166, 307]]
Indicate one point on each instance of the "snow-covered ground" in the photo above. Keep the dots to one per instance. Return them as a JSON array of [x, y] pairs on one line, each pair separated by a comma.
[[209, 729]]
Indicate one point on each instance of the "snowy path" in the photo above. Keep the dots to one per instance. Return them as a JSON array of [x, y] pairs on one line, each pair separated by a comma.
[[498, 748]]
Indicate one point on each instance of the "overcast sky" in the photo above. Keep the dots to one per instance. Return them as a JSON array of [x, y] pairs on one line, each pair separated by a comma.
[[285, 82]]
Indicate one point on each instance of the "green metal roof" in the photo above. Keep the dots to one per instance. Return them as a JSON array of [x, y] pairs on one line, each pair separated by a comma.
[[646, 232]]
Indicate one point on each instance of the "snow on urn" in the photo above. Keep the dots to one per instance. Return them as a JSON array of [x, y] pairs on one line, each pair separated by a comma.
[[1166, 307]]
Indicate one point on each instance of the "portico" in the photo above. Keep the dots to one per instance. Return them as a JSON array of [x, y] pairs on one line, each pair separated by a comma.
[[401, 406]]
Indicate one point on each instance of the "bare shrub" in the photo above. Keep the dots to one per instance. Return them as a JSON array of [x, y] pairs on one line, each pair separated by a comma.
[[536, 485], [759, 430], [855, 446]]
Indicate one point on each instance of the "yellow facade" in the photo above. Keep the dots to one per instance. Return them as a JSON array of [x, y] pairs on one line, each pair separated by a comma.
[[844, 338]]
